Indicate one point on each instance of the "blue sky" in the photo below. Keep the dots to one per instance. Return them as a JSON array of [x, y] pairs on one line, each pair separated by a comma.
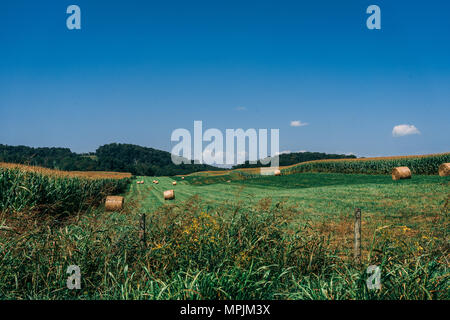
[[137, 70]]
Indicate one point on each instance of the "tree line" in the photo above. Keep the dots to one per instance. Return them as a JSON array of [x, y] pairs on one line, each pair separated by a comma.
[[287, 159], [110, 157], [131, 158]]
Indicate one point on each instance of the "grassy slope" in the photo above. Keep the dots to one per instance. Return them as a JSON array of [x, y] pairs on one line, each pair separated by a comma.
[[315, 194]]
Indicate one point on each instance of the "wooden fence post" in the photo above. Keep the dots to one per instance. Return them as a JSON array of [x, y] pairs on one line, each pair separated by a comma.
[[357, 248], [142, 231]]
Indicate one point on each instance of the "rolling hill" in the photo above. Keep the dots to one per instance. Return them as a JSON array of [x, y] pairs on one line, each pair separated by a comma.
[[117, 157]]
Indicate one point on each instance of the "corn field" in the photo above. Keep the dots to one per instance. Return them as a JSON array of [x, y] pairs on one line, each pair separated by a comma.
[[23, 190], [427, 165]]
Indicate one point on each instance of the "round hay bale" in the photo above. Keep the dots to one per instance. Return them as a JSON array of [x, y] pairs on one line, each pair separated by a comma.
[[277, 172], [169, 195], [113, 203], [444, 170], [401, 173], [174, 183]]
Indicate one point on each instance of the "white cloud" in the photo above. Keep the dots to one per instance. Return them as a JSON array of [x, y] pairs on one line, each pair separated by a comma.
[[298, 123], [404, 130], [282, 152], [240, 108]]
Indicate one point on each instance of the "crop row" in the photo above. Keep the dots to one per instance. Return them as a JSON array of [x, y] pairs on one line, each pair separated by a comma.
[[22, 190], [427, 165]]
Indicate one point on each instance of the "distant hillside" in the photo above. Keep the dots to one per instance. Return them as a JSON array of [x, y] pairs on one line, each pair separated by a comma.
[[287, 159], [111, 157], [143, 161]]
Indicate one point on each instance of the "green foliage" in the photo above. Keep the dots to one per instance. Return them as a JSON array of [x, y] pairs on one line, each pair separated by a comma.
[[287, 159], [53, 158], [315, 194], [230, 252], [317, 180], [31, 191], [417, 165], [211, 179], [142, 161], [270, 237], [111, 157]]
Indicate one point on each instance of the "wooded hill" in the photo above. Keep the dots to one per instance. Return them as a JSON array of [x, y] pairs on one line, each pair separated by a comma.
[[111, 157]]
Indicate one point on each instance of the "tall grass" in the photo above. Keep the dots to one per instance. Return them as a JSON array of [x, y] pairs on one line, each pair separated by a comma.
[[229, 252], [418, 164]]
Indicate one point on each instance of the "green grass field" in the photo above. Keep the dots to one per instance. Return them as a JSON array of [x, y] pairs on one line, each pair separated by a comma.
[[316, 195]]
